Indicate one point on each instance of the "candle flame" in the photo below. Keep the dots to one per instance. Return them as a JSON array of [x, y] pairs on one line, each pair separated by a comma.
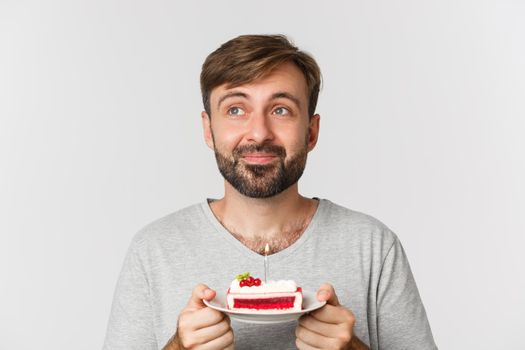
[[266, 249]]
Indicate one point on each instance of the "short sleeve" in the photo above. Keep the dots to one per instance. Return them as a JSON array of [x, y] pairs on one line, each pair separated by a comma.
[[131, 320], [402, 320]]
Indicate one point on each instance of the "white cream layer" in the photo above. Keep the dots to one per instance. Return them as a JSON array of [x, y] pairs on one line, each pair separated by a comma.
[[281, 286]]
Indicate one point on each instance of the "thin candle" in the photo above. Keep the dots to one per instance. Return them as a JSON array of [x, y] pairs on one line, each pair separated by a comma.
[[266, 251]]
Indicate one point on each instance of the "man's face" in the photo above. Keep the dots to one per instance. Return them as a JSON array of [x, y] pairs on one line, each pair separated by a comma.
[[261, 133]]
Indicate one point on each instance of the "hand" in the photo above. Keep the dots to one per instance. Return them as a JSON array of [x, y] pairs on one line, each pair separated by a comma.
[[330, 327], [201, 327]]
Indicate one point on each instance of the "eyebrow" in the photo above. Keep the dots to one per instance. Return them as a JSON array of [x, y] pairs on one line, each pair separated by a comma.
[[229, 95], [275, 96], [287, 96]]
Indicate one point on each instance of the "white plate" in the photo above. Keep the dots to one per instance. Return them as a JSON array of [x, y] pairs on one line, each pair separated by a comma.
[[310, 303]]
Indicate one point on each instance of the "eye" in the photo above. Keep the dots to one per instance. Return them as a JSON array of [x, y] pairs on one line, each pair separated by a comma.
[[281, 111], [236, 111]]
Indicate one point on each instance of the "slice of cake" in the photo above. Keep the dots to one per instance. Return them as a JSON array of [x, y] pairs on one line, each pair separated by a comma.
[[248, 293]]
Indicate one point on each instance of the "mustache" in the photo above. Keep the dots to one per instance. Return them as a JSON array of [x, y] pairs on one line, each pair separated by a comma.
[[278, 151]]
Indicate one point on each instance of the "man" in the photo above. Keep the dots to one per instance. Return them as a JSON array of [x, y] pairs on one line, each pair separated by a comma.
[[260, 94]]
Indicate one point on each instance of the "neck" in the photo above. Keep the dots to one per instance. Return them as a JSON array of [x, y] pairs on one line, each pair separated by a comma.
[[264, 218]]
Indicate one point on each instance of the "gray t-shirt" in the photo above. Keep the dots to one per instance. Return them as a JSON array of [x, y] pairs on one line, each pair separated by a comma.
[[357, 254]]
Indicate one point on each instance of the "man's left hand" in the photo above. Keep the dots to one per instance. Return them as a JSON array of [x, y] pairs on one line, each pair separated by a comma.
[[330, 327]]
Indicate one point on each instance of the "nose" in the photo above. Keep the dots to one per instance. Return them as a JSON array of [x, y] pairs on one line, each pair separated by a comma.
[[259, 128]]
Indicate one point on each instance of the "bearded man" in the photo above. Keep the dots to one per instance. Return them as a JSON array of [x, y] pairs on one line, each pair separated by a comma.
[[260, 94]]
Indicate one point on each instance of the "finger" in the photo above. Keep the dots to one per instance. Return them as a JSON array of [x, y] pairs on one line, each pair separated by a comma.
[[202, 318], [206, 334], [199, 292], [301, 345], [222, 342], [333, 314], [312, 324], [326, 292], [313, 339]]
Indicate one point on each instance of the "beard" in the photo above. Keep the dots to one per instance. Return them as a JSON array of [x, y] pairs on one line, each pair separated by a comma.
[[261, 180]]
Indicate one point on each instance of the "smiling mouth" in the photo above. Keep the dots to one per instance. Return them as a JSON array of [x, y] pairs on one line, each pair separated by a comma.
[[259, 158]]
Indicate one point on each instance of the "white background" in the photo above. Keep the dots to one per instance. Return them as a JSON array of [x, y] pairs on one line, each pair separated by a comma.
[[422, 126]]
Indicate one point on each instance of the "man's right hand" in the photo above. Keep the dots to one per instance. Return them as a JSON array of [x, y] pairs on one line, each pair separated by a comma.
[[201, 327]]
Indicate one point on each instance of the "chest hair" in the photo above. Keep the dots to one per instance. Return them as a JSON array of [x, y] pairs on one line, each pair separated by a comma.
[[276, 243]]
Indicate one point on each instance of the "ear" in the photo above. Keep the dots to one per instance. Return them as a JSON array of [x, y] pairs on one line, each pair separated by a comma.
[[206, 128], [313, 129]]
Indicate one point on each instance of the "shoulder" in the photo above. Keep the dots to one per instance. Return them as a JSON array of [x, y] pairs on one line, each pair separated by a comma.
[[171, 227], [354, 224]]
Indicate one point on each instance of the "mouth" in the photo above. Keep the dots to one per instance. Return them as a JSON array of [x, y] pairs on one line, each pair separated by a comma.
[[259, 158]]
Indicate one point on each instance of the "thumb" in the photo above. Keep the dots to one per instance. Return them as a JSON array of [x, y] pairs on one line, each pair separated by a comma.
[[327, 293], [199, 292]]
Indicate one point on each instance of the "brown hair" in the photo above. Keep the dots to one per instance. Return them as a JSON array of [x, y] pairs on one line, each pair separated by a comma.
[[249, 57]]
